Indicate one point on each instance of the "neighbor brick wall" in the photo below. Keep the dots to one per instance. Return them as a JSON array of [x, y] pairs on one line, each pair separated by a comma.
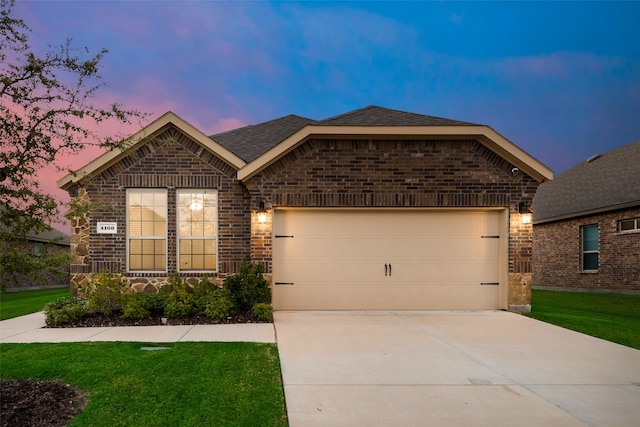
[[170, 161], [399, 173], [556, 254]]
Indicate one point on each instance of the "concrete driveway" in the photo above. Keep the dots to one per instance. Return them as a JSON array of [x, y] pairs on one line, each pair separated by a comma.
[[486, 368]]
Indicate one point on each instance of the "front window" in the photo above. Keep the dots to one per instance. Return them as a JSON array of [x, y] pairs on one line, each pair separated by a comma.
[[590, 248], [147, 229], [197, 230]]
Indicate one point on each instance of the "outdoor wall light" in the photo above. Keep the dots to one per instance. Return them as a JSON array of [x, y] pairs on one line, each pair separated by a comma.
[[262, 213], [525, 211]]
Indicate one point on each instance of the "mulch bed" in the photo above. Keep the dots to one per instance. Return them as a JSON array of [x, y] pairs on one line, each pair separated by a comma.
[[29, 403], [100, 320]]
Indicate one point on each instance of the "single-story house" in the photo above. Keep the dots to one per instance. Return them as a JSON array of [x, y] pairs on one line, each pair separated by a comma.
[[586, 225], [372, 209]]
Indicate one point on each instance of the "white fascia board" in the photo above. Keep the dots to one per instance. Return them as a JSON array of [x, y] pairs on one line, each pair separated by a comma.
[[139, 138], [484, 134]]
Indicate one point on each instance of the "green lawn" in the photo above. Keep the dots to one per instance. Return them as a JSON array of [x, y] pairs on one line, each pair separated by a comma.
[[14, 304], [189, 384], [613, 317]]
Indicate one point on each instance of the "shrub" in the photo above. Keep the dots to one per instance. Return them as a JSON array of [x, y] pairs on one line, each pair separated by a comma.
[[65, 310], [262, 311], [140, 306], [248, 287], [181, 301], [219, 305], [105, 292]]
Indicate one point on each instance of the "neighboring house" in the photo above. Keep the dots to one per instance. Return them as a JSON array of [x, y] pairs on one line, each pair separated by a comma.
[[373, 209], [51, 242], [587, 225]]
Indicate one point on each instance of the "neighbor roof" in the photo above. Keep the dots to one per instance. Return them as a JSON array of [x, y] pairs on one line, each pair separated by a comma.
[[51, 236], [251, 141], [601, 183]]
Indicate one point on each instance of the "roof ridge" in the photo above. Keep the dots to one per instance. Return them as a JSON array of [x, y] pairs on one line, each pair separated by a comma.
[[348, 113], [260, 124], [444, 120]]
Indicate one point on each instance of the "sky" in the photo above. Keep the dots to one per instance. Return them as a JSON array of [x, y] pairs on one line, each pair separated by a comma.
[[559, 79]]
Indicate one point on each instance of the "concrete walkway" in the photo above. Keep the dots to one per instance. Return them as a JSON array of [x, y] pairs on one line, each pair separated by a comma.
[[30, 328], [451, 369]]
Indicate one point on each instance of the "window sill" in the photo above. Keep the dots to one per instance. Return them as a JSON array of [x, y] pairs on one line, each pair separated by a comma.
[[588, 271], [623, 233]]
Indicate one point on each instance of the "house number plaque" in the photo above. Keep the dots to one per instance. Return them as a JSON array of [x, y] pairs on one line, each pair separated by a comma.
[[107, 227]]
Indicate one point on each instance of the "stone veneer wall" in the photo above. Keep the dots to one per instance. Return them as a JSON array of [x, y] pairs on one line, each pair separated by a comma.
[[399, 173], [557, 252]]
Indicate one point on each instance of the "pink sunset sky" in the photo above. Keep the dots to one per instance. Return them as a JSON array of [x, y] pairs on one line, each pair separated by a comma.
[[559, 79]]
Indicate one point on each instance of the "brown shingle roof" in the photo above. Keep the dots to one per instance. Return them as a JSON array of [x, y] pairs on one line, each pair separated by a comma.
[[250, 142], [601, 183], [378, 116]]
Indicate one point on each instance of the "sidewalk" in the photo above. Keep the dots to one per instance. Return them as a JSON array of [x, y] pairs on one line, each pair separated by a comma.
[[30, 328]]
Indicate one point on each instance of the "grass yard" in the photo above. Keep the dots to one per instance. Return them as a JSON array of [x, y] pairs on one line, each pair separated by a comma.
[[14, 304], [613, 317], [189, 384]]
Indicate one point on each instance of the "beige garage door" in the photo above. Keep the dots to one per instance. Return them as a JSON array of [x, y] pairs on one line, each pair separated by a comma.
[[385, 259]]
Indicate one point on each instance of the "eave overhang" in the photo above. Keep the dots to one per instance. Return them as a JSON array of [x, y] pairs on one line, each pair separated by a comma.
[[484, 134], [168, 119], [594, 211]]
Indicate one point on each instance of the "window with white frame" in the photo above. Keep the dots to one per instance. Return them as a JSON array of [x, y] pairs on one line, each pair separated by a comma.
[[629, 225], [590, 247], [146, 229], [197, 230]]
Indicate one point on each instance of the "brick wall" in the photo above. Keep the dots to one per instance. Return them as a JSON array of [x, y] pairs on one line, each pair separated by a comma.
[[556, 254], [170, 161], [399, 173], [318, 173]]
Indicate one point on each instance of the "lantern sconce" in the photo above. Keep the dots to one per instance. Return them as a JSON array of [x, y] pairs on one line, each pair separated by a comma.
[[525, 211], [262, 213]]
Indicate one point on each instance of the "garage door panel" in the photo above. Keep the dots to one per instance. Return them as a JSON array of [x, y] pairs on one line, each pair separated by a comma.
[[336, 260]]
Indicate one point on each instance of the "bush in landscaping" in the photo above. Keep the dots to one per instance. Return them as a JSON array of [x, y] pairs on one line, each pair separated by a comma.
[[219, 305], [105, 292], [181, 301], [140, 306], [262, 311], [65, 310], [248, 287]]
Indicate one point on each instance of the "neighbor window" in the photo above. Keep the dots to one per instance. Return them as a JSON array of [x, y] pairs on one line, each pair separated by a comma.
[[197, 230], [627, 225], [147, 229], [590, 248]]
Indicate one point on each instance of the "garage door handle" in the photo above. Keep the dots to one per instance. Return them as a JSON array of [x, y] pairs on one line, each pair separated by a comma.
[[387, 269]]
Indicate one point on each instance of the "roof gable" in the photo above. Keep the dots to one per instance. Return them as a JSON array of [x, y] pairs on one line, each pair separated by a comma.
[[378, 116], [251, 141], [141, 137], [378, 122], [601, 183]]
